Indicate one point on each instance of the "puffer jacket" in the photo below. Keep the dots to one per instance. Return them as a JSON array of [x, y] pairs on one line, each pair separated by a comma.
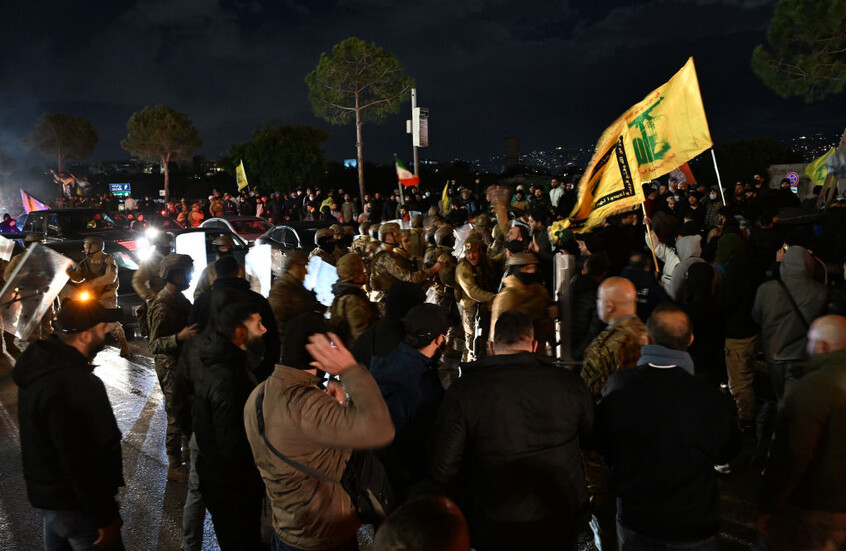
[[309, 426], [782, 329]]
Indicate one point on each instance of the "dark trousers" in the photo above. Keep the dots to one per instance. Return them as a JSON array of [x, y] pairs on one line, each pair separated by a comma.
[[632, 541], [235, 507], [278, 545]]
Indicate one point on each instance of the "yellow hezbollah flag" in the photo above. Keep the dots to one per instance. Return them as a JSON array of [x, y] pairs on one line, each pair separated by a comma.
[[665, 130], [241, 176], [816, 170], [445, 198], [610, 184]]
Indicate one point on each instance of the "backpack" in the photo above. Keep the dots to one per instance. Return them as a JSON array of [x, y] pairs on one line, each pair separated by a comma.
[[365, 478]]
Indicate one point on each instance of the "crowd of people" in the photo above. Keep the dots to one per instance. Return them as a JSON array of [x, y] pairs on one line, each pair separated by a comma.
[[276, 398]]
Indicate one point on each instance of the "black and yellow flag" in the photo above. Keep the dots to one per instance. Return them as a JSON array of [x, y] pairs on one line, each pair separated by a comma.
[[666, 129]]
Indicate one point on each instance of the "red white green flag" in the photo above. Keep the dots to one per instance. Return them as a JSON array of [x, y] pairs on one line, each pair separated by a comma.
[[405, 177]]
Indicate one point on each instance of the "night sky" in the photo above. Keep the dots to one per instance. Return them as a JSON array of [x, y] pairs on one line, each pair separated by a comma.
[[549, 73]]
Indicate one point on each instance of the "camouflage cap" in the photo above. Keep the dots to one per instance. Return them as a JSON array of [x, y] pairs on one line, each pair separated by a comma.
[[521, 259], [175, 262], [417, 221], [473, 243], [349, 267], [389, 227], [293, 258]]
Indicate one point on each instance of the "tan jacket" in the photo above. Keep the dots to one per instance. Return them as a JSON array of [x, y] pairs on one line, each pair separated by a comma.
[[146, 280], [99, 272], [310, 427], [475, 284], [532, 300]]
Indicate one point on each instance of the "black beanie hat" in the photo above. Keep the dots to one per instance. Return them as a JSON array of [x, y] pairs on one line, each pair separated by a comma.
[[297, 332]]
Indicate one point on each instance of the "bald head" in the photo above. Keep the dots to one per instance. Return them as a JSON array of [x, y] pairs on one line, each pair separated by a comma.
[[617, 298], [827, 334], [669, 326]]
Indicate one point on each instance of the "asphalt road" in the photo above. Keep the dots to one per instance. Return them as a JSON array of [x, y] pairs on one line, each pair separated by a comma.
[[151, 506]]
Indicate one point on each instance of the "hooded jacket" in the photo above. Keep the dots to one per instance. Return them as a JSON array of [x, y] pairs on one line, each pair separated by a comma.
[[783, 330], [805, 468], [689, 251], [70, 441]]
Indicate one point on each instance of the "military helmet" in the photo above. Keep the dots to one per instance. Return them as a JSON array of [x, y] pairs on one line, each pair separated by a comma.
[[389, 227], [223, 241], [293, 258], [323, 233], [93, 240], [363, 228], [175, 262], [163, 239], [483, 221], [337, 229], [349, 266], [417, 221], [34, 238], [374, 231], [521, 259], [442, 234]]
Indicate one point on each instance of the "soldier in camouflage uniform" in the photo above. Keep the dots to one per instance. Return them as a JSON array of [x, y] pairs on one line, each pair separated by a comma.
[[361, 243], [288, 298], [388, 266], [324, 238], [225, 245], [168, 330], [618, 347], [352, 313], [477, 281], [146, 280], [444, 286], [417, 245], [45, 328], [99, 273]]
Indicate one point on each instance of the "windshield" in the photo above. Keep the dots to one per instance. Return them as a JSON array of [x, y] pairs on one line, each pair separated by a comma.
[[250, 226], [74, 222]]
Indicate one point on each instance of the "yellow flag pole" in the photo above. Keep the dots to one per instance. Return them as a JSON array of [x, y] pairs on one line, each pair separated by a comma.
[[649, 233]]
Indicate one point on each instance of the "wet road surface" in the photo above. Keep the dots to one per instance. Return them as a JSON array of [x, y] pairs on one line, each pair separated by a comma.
[[151, 506]]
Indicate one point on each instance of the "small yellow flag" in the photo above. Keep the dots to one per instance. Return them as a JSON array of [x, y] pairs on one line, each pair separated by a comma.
[[241, 176], [816, 170], [665, 130], [445, 198]]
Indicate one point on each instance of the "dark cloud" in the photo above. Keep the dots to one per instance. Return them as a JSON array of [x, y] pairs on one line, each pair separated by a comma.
[[550, 73]]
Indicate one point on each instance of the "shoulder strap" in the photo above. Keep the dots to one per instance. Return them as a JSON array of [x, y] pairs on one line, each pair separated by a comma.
[[299, 466], [795, 306]]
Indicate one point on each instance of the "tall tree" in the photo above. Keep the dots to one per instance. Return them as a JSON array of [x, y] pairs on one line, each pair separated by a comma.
[[62, 135], [358, 81], [162, 134], [280, 157], [807, 53]]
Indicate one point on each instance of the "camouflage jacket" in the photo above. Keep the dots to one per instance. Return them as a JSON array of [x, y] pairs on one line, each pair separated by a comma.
[[146, 280], [476, 284], [168, 316], [532, 300], [323, 255], [351, 312], [445, 282], [99, 272], [618, 347], [388, 267]]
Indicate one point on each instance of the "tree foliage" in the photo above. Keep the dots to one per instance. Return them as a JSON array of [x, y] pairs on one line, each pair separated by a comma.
[[807, 49], [358, 81], [281, 157], [161, 134], [62, 135], [741, 160]]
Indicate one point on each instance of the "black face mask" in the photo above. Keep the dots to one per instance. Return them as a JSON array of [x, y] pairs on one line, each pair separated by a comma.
[[527, 278], [515, 246]]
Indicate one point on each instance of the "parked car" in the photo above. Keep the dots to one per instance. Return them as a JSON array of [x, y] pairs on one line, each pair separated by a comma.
[[248, 227], [65, 224], [239, 251]]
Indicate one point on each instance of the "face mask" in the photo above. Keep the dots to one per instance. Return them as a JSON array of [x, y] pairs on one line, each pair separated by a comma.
[[712, 196], [515, 246]]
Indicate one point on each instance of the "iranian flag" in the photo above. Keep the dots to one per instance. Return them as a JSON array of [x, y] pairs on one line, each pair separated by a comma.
[[405, 177]]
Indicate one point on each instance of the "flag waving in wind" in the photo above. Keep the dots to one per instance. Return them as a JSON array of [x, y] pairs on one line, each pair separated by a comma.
[[662, 132], [405, 177], [30, 203], [241, 175], [817, 170]]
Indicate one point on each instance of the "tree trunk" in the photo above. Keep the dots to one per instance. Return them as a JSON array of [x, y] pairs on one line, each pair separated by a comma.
[[165, 165], [359, 151]]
